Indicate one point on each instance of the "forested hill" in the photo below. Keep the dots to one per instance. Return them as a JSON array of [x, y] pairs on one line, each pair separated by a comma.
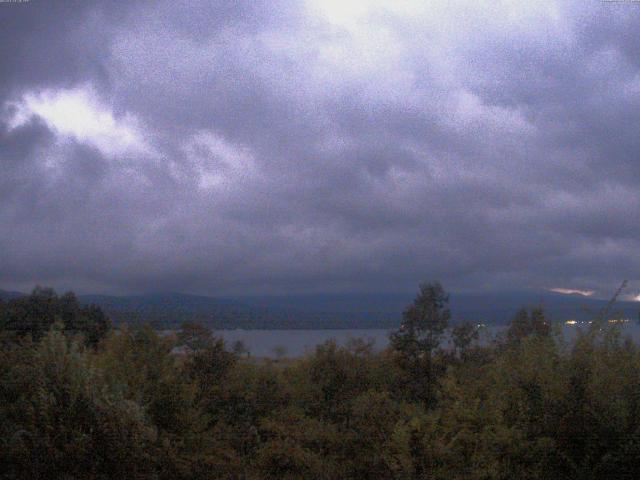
[[334, 311]]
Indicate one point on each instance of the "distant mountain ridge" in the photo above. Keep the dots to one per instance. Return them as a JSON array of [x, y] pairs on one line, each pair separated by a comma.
[[169, 310], [8, 295], [492, 308], [179, 301]]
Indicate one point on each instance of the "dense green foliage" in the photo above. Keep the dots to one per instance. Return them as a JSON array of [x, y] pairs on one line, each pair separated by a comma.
[[524, 406]]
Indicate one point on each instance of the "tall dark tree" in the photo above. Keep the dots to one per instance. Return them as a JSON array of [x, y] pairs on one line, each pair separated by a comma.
[[463, 336], [96, 324], [526, 323], [424, 323]]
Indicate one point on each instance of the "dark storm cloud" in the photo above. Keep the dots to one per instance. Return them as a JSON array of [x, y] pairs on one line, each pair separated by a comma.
[[264, 146]]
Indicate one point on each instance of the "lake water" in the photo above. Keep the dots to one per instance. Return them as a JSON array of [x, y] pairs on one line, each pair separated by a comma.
[[265, 343]]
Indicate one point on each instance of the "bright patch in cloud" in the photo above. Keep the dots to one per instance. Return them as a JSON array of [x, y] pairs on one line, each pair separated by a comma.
[[573, 291], [217, 161], [78, 114], [347, 13]]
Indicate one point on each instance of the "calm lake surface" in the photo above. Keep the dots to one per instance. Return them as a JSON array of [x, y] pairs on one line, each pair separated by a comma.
[[265, 343]]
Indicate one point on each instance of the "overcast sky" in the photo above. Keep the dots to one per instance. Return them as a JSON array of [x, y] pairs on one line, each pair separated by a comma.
[[320, 146]]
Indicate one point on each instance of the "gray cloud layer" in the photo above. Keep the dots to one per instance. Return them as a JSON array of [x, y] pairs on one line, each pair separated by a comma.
[[320, 146]]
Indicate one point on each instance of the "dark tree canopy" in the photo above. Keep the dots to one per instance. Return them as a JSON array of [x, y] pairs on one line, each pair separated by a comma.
[[526, 323], [425, 320], [423, 325], [463, 336], [34, 315]]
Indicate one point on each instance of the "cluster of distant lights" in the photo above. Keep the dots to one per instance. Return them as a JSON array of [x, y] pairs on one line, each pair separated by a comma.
[[572, 322], [612, 320], [585, 293]]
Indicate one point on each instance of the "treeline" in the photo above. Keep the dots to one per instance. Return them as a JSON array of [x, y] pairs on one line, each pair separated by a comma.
[[34, 315], [526, 406]]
